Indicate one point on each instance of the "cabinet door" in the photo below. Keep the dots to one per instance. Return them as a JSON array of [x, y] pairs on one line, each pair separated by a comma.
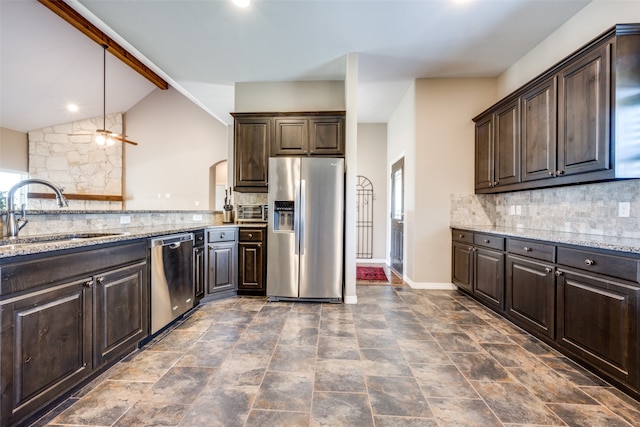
[[507, 144], [46, 347], [198, 272], [252, 138], [598, 322], [584, 113], [539, 131], [462, 269], [326, 136], [121, 311], [484, 153], [488, 282], [530, 295], [292, 137], [250, 275], [222, 264]]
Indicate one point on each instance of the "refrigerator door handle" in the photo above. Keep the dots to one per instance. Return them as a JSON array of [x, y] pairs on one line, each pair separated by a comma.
[[303, 214], [296, 220]]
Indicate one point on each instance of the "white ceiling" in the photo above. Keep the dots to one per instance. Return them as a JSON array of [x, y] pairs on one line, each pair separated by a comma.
[[204, 47]]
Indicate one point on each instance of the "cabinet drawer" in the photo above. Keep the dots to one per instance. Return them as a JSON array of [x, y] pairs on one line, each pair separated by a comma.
[[531, 249], [462, 236], [250, 235], [611, 265], [488, 241], [221, 235]]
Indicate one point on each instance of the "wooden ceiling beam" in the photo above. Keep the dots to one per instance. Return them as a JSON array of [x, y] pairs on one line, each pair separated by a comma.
[[67, 13]]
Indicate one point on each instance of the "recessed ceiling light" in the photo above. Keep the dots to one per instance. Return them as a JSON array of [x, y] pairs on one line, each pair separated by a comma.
[[241, 3], [72, 107]]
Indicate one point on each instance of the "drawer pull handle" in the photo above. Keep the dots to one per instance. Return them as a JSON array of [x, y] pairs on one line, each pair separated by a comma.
[[486, 240], [88, 283], [589, 261], [527, 249], [100, 279], [222, 235], [559, 273], [548, 269], [250, 235], [460, 236]]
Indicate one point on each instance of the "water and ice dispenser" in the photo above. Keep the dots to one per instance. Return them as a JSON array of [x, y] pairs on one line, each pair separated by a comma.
[[283, 213]]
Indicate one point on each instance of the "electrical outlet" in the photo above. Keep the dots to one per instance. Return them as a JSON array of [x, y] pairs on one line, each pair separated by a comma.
[[167, 195], [518, 210], [197, 217], [512, 210], [624, 209], [196, 203], [125, 219]]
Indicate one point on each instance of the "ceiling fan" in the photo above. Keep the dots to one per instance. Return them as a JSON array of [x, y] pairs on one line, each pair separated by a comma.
[[104, 136]]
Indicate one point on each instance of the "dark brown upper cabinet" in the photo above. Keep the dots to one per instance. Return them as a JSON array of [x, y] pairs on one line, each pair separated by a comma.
[[312, 134], [257, 136], [252, 137], [577, 122]]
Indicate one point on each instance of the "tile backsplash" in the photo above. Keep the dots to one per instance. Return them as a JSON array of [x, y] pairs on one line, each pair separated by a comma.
[[588, 208]]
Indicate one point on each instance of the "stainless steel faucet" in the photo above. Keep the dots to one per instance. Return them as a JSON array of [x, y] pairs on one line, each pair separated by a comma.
[[14, 225]]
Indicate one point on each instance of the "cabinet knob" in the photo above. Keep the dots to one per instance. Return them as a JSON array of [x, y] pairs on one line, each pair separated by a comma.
[[559, 172], [460, 236], [548, 269], [550, 173], [589, 261], [559, 273], [88, 284], [527, 249], [250, 235], [27, 359], [486, 240], [222, 235], [100, 279]]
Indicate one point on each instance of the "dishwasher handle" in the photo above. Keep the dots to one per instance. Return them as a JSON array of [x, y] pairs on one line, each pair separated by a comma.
[[173, 241]]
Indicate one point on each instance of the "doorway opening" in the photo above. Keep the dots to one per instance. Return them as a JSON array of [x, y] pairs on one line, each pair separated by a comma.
[[217, 185], [397, 217]]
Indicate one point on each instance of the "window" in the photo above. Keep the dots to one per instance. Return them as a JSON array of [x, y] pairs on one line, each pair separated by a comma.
[[7, 180]]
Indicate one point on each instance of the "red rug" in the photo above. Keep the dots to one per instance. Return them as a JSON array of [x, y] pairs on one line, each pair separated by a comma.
[[371, 274]]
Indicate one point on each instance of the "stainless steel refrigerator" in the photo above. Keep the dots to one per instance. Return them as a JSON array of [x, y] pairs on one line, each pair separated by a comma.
[[305, 229]]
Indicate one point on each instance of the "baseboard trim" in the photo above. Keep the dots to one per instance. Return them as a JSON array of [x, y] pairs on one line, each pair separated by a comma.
[[351, 299], [430, 285], [371, 261]]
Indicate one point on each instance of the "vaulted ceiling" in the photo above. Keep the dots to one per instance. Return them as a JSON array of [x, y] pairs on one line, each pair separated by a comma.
[[204, 47]]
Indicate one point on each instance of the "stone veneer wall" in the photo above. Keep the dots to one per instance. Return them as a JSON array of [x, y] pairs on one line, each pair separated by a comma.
[[67, 156], [588, 208], [250, 198]]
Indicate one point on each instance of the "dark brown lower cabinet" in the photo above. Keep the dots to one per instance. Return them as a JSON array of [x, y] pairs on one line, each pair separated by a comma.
[[46, 347], [252, 262], [488, 283], [531, 295], [598, 321], [221, 272], [462, 267], [121, 315], [65, 317]]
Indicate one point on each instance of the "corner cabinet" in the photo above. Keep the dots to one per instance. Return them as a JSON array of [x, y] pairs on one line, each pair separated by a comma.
[[584, 302], [572, 124], [66, 317], [252, 261]]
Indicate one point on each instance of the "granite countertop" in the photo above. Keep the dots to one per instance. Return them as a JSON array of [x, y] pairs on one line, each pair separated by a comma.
[[34, 244], [612, 243]]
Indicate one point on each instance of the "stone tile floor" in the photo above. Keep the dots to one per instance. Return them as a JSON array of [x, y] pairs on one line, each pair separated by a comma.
[[400, 357]]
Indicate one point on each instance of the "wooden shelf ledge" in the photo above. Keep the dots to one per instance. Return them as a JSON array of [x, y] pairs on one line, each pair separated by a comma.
[[93, 197]]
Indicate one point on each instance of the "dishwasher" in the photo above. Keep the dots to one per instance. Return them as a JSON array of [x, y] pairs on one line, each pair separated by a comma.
[[172, 288]]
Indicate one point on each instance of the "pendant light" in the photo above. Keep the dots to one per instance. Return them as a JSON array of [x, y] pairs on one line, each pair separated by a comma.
[[103, 136]]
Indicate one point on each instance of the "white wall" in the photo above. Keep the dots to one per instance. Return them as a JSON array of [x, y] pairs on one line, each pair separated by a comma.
[[444, 153], [289, 96], [14, 150], [372, 163], [178, 142], [596, 18], [401, 139]]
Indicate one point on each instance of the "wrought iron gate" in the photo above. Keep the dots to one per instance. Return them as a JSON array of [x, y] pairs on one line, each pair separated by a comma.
[[364, 222]]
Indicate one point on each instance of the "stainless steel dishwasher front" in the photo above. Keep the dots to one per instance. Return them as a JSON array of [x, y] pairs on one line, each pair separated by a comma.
[[172, 287]]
